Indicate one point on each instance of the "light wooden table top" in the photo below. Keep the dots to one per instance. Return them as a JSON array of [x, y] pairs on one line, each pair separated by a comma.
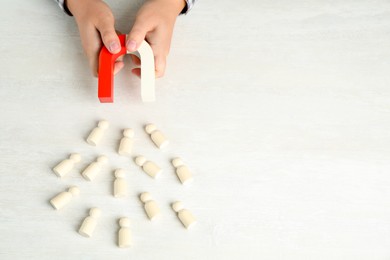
[[281, 110]]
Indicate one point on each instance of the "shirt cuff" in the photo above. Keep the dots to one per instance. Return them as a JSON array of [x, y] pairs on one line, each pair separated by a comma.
[[63, 6], [188, 7]]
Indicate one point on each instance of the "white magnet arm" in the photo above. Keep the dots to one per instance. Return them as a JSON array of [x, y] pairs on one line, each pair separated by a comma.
[[145, 53]]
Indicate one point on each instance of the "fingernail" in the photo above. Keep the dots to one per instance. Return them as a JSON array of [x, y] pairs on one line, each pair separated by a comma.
[[114, 46], [131, 45]]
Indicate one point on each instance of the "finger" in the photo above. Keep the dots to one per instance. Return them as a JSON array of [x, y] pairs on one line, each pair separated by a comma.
[[120, 58], [108, 34], [90, 40], [136, 71], [135, 60], [160, 41], [160, 51], [93, 60], [118, 65], [136, 36], [160, 63]]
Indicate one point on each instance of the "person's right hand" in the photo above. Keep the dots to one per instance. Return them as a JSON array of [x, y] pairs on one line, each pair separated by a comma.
[[96, 26]]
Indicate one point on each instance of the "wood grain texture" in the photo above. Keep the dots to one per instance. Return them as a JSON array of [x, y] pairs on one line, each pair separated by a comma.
[[281, 109]]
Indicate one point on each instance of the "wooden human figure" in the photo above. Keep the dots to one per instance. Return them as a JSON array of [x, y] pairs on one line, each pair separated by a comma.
[[93, 169], [126, 143], [182, 171], [120, 185], [124, 234], [89, 224], [157, 137], [184, 215], [63, 198], [150, 168], [97, 133], [150, 206], [67, 165]]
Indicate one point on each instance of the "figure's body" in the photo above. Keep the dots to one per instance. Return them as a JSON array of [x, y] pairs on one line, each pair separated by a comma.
[[126, 143], [120, 185], [157, 136], [183, 173], [183, 214], [67, 165], [89, 224], [150, 206], [93, 169], [96, 134], [150, 168], [124, 234], [63, 198]]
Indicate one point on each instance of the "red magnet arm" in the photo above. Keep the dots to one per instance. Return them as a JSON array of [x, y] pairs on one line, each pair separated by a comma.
[[106, 71]]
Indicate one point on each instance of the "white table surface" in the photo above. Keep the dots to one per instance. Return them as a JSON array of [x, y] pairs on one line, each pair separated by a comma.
[[280, 108]]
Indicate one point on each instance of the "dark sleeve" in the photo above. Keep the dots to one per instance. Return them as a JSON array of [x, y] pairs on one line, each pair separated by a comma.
[[62, 5], [190, 4]]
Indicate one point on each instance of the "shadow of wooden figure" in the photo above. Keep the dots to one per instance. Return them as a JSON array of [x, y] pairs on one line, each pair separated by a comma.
[[106, 71]]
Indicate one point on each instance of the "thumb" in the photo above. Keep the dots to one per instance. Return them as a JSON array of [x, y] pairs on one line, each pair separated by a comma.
[[136, 36], [108, 34]]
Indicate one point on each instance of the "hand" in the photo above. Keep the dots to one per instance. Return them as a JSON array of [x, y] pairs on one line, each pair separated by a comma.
[[96, 25], [154, 23]]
